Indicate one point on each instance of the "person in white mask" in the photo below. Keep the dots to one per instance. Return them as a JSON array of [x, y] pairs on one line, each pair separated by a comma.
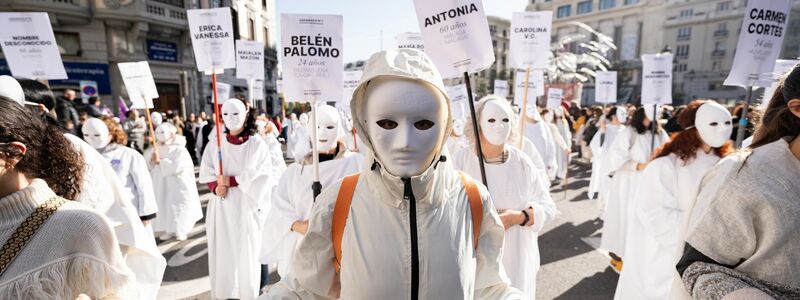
[[287, 221], [236, 209], [172, 171], [628, 156], [110, 140], [457, 141], [561, 142], [269, 133], [519, 190], [601, 141], [540, 134], [664, 201], [403, 227]]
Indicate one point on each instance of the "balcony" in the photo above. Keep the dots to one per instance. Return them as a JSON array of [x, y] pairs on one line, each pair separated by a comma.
[[684, 37], [164, 13], [72, 8], [717, 53], [721, 33]]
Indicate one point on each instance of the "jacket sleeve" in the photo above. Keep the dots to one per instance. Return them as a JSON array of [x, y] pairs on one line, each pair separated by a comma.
[[314, 276], [259, 176], [144, 186], [491, 281], [277, 230]]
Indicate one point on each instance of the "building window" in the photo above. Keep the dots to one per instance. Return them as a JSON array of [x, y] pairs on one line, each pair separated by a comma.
[[584, 7], [687, 13], [69, 43], [684, 33], [682, 51], [564, 11], [724, 6], [266, 37], [176, 3], [680, 68], [606, 4], [251, 29], [629, 2], [715, 66], [492, 29], [722, 26]]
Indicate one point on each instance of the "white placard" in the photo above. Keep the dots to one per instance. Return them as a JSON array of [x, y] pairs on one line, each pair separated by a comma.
[[554, 97], [311, 47], [456, 35], [139, 83], [605, 87], [350, 80], [657, 78], [256, 90], [530, 39], [223, 92], [249, 60], [212, 39], [279, 86], [30, 47], [500, 88], [535, 86], [782, 66], [760, 41], [458, 99], [410, 40]]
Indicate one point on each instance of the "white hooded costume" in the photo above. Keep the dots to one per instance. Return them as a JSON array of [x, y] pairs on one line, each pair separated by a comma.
[[514, 184], [540, 134], [129, 165], [629, 149], [233, 223], [293, 197], [174, 184], [381, 246], [600, 144], [664, 201], [562, 142]]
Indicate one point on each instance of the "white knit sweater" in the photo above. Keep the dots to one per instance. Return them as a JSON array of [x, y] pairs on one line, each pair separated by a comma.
[[74, 252]]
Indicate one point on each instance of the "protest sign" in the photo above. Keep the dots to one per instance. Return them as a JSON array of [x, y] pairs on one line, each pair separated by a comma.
[[605, 87], [782, 66], [535, 87], [311, 47], [139, 83], [657, 78], [223, 91], [760, 41], [249, 60], [530, 39], [501, 88], [456, 35], [212, 39], [410, 40], [554, 97], [458, 99], [30, 47], [351, 79]]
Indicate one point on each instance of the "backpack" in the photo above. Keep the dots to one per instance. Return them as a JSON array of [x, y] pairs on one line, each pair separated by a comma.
[[341, 210]]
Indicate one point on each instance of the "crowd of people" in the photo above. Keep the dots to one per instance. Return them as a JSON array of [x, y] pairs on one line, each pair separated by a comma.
[[410, 207]]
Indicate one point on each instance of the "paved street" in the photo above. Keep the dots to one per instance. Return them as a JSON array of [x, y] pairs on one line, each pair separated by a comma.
[[572, 268]]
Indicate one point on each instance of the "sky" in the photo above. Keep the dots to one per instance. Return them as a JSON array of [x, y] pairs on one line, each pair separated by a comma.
[[371, 25]]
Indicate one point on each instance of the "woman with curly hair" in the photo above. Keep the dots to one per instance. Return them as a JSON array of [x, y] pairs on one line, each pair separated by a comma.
[[73, 251], [110, 140], [665, 197], [235, 212]]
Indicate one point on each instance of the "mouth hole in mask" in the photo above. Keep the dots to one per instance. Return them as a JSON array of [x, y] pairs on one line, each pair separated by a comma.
[[387, 124], [424, 124]]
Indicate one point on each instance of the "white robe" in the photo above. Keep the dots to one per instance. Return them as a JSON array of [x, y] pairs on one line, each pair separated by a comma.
[[600, 182], [664, 202], [623, 158], [517, 185], [292, 201], [530, 150], [175, 188], [102, 190], [131, 168], [539, 133], [455, 144], [562, 148], [233, 224]]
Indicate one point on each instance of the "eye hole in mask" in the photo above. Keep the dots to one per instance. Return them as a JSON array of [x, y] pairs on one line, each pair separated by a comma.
[[424, 124], [330, 127], [713, 124], [491, 120], [505, 120], [387, 124]]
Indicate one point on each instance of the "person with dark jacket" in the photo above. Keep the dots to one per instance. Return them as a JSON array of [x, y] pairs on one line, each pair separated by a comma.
[[65, 111]]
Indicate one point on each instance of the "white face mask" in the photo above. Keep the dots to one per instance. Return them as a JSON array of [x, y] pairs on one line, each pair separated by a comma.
[[234, 113], [406, 122], [495, 122], [622, 115], [713, 123], [95, 132], [156, 118], [328, 132], [548, 116], [458, 127], [164, 133], [304, 119]]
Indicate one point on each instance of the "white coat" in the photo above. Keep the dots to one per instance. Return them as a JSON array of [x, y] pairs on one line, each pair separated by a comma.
[[292, 201], [530, 150], [455, 144], [623, 157], [131, 168], [102, 190], [667, 191], [233, 224], [562, 144], [539, 133], [599, 184], [516, 184], [175, 188]]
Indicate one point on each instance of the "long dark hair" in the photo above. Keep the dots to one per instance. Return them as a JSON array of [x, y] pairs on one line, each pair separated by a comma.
[[50, 155], [684, 144], [637, 122], [39, 93], [778, 121], [250, 127]]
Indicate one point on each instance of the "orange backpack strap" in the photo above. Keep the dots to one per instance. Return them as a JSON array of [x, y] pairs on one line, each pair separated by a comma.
[[475, 206], [340, 212]]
